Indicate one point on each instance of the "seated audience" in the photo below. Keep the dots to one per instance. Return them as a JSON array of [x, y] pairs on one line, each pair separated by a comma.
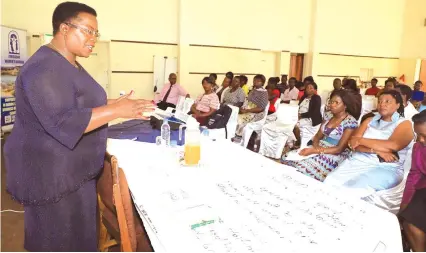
[[244, 85], [206, 104], [380, 146], [413, 205], [273, 94], [406, 92], [234, 95], [310, 116], [373, 90], [170, 93], [351, 85], [225, 85], [337, 85], [254, 106], [418, 85], [344, 80], [283, 85], [330, 144], [213, 77], [418, 96], [230, 75], [390, 84], [301, 87], [291, 93]]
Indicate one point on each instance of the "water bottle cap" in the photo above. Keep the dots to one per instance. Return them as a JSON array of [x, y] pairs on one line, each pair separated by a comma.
[[165, 120]]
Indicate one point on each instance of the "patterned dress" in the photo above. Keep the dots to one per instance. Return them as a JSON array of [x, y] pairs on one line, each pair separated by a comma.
[[235, 98], [257, 98], [319, 166]]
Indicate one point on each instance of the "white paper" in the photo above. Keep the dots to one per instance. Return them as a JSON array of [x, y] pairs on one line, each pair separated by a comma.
[[246, 205]]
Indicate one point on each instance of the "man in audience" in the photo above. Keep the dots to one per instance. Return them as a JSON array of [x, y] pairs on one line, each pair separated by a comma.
[[283, 85], [291, 93], [213, 77], [373, 90], [244, 85], [406, 93], [170, 94], [389, 85]]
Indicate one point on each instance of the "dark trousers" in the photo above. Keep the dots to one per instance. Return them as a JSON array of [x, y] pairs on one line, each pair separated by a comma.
[[164, 105]]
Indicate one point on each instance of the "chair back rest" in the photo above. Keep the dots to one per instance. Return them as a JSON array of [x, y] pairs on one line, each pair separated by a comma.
[[262, 121], [187, 105], [124, 208], [277, 104], [180, 104], [234, 114], [287, 115]]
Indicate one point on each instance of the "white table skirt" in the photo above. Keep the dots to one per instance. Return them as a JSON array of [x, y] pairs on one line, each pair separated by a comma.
[[241, 201]]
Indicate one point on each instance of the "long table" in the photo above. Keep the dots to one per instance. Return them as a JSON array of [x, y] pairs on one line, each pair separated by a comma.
[[239, 201]]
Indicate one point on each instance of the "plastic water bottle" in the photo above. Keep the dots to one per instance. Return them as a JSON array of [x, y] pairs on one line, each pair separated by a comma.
[[165, 133]]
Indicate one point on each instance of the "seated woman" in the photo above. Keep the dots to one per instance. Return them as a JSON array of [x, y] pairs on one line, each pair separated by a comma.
[[254, 106], [225, 86], [380, 147], [413, 205], [273, 94], [331, 141], [206, 104], [309, 115], [235, 94]]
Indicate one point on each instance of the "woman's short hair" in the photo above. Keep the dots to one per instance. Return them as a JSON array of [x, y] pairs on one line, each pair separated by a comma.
[[260, 77], [298, 84], [397, 96], [420, 117], [208, 80], [405, 90], [213, 75], [313, 85], [229, 74], [308, 79], [243, 79], [64, 12], [348, 99], [273, 80]]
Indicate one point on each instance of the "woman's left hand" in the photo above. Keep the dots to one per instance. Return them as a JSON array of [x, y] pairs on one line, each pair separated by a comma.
[[307, 152]]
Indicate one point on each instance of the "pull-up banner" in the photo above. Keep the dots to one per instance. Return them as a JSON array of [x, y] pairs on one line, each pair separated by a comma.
[[13, 56]]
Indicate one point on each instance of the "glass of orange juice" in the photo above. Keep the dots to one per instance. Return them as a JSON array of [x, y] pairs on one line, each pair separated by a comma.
[[192, 154]]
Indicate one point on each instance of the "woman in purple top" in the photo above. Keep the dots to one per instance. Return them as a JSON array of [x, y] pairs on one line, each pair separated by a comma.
[[58, 142], [413, 205]]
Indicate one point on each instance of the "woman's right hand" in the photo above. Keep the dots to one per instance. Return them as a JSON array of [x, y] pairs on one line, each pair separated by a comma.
[[132, 108]]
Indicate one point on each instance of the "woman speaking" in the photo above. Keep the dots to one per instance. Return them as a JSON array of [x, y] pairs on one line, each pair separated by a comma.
[[58, 142]]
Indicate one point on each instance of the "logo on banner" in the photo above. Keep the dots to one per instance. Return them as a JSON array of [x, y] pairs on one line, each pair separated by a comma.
[[14, 47]]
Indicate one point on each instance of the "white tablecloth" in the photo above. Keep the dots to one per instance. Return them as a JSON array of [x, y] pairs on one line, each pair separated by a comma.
[[239, 201]]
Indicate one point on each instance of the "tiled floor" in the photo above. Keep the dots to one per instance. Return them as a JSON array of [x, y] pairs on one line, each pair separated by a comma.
[[12, 224]]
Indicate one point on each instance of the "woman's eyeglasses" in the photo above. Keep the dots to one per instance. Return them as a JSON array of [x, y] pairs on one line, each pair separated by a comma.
[[87, 31]]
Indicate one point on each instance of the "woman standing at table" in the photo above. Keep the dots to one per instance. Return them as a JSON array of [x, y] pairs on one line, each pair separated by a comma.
[[58, 142]]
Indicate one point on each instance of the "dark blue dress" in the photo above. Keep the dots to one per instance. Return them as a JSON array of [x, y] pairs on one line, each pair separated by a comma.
[[51, 164]]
